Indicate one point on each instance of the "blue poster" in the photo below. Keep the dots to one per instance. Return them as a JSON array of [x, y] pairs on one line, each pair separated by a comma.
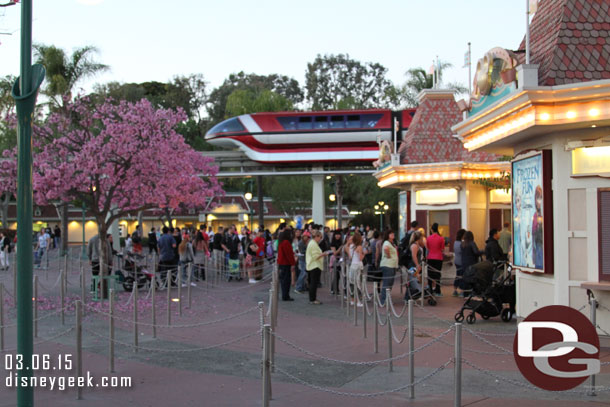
[[528, 236], [402, 214]]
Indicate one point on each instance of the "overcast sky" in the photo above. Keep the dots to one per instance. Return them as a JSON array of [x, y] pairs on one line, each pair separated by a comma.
[[145, 40]]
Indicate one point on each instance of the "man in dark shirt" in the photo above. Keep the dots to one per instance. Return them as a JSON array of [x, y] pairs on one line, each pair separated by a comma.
[[152, 241], [167, 245], [231, 246], [218, 254]]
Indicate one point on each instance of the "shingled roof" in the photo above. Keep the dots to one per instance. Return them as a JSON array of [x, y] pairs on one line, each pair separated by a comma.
[[430, 139], [570, 40]]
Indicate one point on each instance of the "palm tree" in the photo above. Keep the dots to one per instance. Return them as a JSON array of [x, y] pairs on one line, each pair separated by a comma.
[[63, 71], [418, 79]]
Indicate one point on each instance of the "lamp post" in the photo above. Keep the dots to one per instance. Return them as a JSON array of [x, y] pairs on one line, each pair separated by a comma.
[[333, 198], [83, 252], [380, 209], [248, 196]]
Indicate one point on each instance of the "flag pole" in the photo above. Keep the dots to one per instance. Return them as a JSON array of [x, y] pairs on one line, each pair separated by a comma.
[[469, 72], [527, 32]]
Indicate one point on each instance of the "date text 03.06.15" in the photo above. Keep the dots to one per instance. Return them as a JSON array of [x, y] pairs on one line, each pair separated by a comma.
[[43, 361]]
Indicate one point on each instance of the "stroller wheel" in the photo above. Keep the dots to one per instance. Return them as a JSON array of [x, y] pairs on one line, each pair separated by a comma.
[[471, 319], [506, 315], [485, 317], [431, 301], [459, 317], [128, 284]]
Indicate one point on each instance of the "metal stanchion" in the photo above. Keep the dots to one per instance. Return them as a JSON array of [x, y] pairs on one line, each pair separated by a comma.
[[179, 278], [62, 294], [135, 316], [341, 289], [266, 365], [35, 299], [388, 300], [411, 354], [111, 326], [189, 281], [375, 319], [364, 303], [593, 317], [424, 282], [355, 301], [79, 347], [15, 282], [457, 363], [1, 316], [153, 310], [273, 326], [261, 311], [276, 298], [169, 297]]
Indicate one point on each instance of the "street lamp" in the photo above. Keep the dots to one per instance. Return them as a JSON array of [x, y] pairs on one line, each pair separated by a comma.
[[248, 196], [333, 198], [378, 210]]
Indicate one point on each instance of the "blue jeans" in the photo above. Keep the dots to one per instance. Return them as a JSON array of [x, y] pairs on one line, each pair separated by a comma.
[[387, 275], [300, 285], [39, 255]]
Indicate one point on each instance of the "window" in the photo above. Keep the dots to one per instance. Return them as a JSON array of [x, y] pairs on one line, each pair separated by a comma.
[[603, 211], [304, 123], [228, 126], [353, 121], [370, 120], [337, 122], [320, 122], [288, 123]]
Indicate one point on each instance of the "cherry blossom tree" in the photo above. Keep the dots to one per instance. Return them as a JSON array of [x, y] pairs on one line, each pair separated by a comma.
[[8, 182], [119, 158]]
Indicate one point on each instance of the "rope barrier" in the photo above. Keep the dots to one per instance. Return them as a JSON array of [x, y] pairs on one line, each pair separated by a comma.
[[376, 394], [45, 340], [161, 350]]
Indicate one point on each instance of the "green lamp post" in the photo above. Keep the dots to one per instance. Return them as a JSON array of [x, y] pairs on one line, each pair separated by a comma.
[[24, 92]]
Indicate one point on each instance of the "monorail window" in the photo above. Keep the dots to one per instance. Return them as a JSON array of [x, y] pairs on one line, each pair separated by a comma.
[[320, 122], [337, 122], [304, 123], [353, 121], [370, 120], [228, 126], [288, 123]]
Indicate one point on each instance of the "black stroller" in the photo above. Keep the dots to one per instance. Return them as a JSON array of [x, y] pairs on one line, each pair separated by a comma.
[[493, 292], [136, 271]]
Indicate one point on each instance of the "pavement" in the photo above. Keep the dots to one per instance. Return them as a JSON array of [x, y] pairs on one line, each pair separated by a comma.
[[211, 354]]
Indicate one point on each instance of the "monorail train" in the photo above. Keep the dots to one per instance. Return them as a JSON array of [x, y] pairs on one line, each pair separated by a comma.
[[306, 137]]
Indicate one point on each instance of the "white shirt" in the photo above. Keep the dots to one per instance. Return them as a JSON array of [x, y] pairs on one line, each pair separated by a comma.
[[43, 240]]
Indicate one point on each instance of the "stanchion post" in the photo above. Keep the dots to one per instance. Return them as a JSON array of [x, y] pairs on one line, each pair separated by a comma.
[[190, 280], [79, 346], [153, 311], [375, 319], [276, 298], [593, 317], [169, 297], [111, 323], [1, 316], [261, 311], [273, 326], [411, 354], [364, 303], [457, 366], [135, 316], [424, 282], [62, 294], [341, 289], [35, 306], [355, 301], [179, 278], [388, 301], [266, 365], [15, 283]]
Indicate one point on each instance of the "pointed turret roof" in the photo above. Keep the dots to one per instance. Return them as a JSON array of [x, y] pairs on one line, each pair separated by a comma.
[[570, 40]]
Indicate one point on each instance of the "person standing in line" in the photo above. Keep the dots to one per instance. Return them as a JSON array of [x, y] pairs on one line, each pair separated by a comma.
[[217, 252], [336, 244], [259, 262], [185, 250], [5, 249], [493, 251], [470, 254], [388, 263], [414, 288], [356, 254], [44, 241], [300, 286], [201, 250], [286, 263], [505, 238], [152, 241], [57, 236], [436, 246], [166, 244], [457, 260], [314, 263]]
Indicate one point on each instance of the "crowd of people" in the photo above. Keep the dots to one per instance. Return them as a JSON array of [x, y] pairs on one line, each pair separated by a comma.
[[300, 255]]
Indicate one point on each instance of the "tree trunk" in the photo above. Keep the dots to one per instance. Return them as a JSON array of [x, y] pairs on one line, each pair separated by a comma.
[[64, 228], [6, 199], [104, 261], [168, 216]]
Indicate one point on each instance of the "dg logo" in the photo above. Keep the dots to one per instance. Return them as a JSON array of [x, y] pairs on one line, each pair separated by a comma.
[[556, 348]]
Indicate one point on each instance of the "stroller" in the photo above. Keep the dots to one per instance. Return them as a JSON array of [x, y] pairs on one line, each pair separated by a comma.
[[413, 289], [135, 272], [493, 292]]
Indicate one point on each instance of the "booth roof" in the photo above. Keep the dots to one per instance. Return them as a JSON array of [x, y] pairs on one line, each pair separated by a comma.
[[570, 40]]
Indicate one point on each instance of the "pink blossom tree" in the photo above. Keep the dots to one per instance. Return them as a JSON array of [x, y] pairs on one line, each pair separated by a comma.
[[8, 182], [119, 158]]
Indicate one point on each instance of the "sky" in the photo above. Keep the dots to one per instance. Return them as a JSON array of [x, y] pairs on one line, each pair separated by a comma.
[[154, 40]]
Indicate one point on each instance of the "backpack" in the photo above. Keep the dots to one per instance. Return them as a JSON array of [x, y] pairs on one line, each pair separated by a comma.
[[405, 257]]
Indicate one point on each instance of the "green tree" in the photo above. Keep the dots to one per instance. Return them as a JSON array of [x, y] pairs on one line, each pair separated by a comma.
[[243, 101], [418, 79], [64, 72], [281, 85], [338, 82], [8, 134]]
